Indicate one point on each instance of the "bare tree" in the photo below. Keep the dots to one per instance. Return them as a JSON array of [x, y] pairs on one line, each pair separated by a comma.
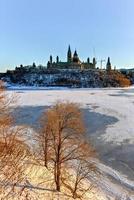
[[62, 139], [13, 150]]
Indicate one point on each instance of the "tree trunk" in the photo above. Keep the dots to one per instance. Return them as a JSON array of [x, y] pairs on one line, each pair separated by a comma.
[[74, 192], [58, 177], [58, 166], [46, 152]]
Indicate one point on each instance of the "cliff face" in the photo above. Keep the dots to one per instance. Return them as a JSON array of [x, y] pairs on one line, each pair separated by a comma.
[[69, 78]]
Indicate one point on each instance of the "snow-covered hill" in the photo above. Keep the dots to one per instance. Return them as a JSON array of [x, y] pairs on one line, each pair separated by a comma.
[[67, 78]]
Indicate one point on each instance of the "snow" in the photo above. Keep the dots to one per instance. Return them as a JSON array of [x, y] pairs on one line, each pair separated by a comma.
[[115, 102], [20, 87], [118, 103]]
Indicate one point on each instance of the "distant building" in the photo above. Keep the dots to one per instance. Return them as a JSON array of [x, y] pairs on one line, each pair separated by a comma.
[[73, 62]]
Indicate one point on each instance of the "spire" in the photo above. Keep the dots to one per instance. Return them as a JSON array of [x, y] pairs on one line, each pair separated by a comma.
[[108, 61], [75, 57], [69, 48], [88, 60], [94, 62], [51, 59], [57, 59], [69, 55], [108, 67], [75, 53]]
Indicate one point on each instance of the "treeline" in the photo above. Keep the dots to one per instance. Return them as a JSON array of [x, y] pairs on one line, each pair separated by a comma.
[[58, 160], [41, 77], [120, 79]]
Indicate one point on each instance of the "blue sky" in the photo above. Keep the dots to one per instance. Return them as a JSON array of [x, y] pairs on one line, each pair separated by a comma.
[[31, 30]]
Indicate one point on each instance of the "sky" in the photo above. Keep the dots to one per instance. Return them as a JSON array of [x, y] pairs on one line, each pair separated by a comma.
[[31, 30]]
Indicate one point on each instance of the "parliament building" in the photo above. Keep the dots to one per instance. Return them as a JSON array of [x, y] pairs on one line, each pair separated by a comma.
[[73, 62]]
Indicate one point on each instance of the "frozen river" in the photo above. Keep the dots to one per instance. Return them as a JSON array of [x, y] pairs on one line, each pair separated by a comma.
[[109, 118]]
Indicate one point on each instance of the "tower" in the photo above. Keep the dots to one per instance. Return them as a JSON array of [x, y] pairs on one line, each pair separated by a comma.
[[75, 57], [57, 59], [108, 66], [48, 64], [51, 59], [88, 60], [94, 63], [69, 55]]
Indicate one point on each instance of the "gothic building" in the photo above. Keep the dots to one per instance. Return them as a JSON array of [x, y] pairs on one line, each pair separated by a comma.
[[73, 62]]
